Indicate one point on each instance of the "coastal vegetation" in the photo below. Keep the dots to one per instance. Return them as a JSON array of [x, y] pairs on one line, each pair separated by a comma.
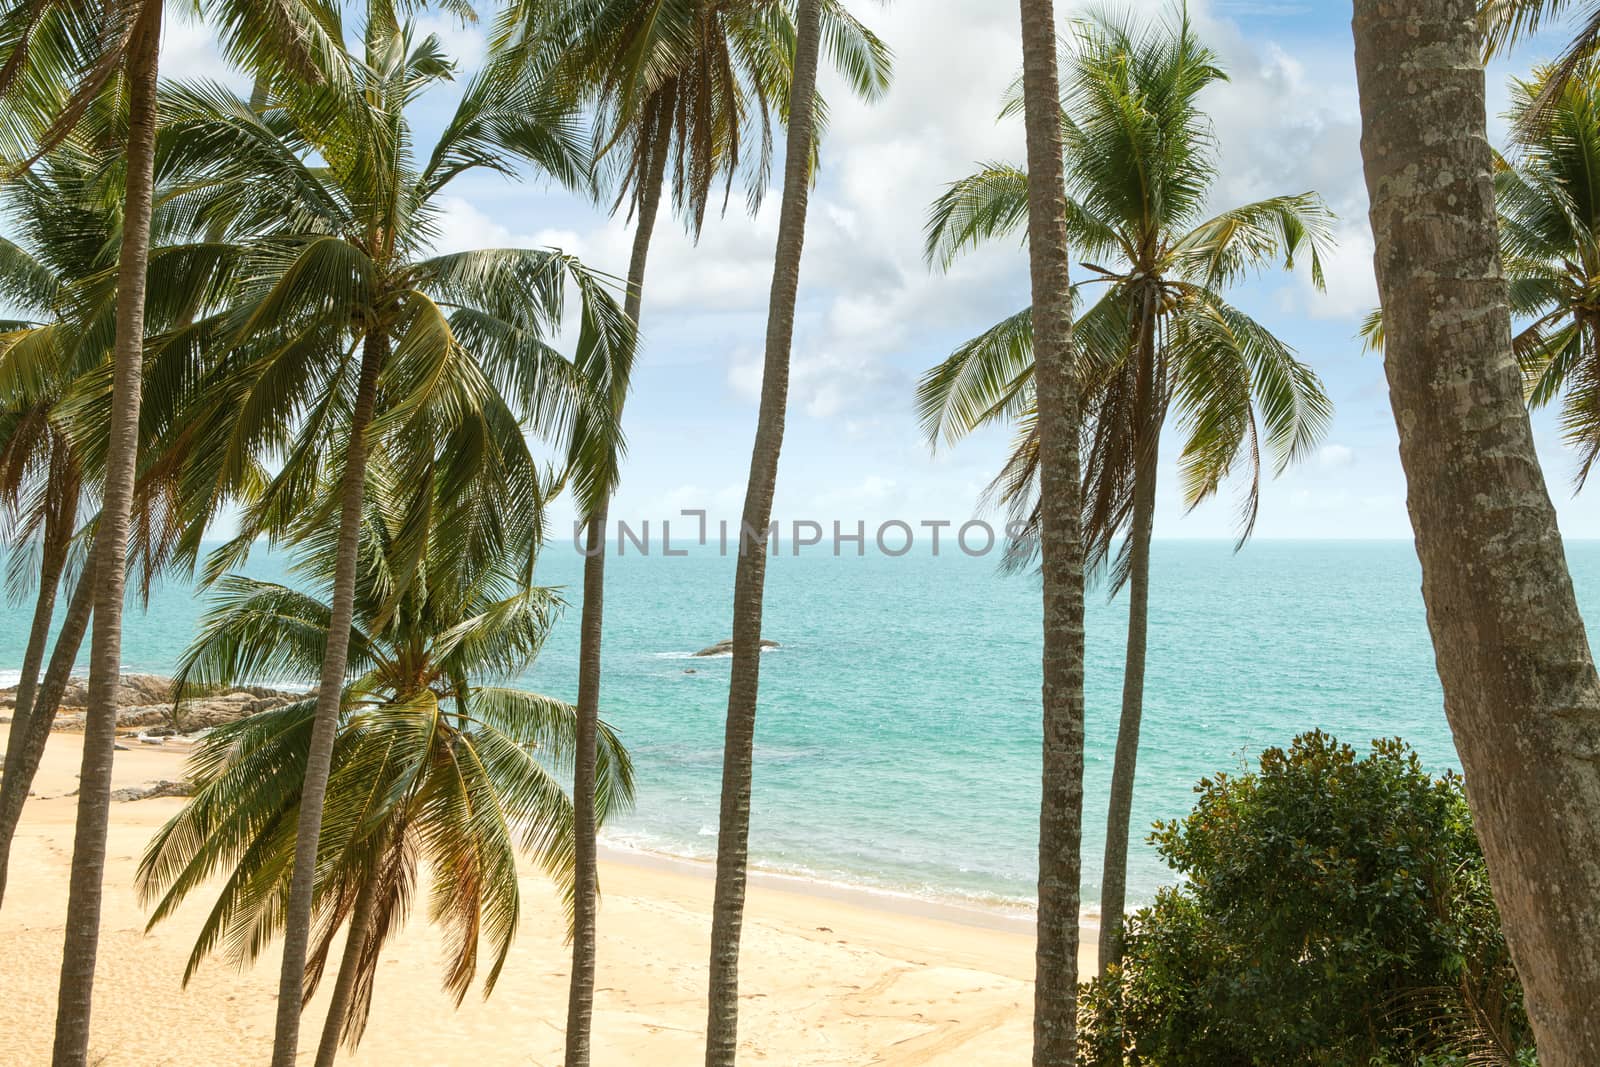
[[1332, 909], [235, 311], [1161, 338], [677, 91], [435, 771]]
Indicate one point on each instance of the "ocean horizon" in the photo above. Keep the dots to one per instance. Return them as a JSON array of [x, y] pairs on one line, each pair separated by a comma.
[[897, 744]]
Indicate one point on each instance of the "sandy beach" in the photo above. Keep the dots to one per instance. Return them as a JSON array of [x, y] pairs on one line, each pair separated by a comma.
[[829, 977]]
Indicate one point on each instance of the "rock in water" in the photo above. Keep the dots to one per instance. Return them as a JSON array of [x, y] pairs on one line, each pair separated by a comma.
[[725, 648]]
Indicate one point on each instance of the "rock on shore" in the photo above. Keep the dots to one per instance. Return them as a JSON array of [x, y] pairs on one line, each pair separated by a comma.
[[146, 700]]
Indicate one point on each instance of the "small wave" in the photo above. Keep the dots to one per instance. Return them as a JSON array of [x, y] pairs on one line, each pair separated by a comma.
[[708, 831]]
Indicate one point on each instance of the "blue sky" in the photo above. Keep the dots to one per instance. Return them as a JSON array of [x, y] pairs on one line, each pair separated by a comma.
[[872, 317]]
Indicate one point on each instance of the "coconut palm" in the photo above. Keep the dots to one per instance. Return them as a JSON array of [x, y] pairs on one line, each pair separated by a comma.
[[1513, 655], [64, 239], [678, 89], [347, 334], [1548, 199], [62, 270], [435, 768], [1507, 23], [41, 472], [57, 58], [733, 828], [1058, 415], [1140, 164], [1549, 204]]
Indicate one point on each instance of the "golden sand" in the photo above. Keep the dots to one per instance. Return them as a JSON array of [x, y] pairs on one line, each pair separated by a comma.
[[828, 977]]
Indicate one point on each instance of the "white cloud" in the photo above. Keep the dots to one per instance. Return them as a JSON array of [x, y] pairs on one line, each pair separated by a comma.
[[189, 52], [1334, 457]]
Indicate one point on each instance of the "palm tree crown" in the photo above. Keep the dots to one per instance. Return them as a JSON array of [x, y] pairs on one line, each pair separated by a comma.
[[331, 223], [1548, 193], [1141, 164], [436, 767], [697, 81]]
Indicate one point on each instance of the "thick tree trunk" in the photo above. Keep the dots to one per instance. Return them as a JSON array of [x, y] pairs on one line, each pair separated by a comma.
[[1055, 1013], [76, 992], [29, 749], [586, 878], [1520, 688], [349, 969], [325, 724], [57, 539], [1119, 816], [733, 827]]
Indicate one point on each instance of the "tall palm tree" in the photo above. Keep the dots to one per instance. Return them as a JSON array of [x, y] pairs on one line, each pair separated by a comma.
[[67, 210], [1141, 162], [733, 827], [1520, 687], [1055, 1010], [678, 89], [435, 766], [56, 58], [347, 334], [136, 57], [63, 235]]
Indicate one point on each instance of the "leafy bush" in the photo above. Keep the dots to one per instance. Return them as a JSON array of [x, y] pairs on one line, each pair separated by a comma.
[[1335, 911]]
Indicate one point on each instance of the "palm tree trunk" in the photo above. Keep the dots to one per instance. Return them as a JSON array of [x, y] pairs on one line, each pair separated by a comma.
[[1147, 442], [1520, 687], [76, 993], [733, 836], [53, 560], [349, 969], [319, 760], [1055, 1012], [586, 877], [29, 749]]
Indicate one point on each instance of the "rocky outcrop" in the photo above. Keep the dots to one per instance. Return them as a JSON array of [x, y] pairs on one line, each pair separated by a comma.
[[725, 648], [150, 790], [147, 700]]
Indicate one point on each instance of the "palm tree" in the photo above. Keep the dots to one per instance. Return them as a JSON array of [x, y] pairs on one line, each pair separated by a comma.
[[435, 768], [1549, 206], [56, 59], [67, 209], [678, 89], [41, 468], [1058, 406], [1520, 687], [733, 828], [1507, 23], [346, 334], [1140, 166]]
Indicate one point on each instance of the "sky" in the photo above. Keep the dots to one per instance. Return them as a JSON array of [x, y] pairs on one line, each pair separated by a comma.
[[872, 315]]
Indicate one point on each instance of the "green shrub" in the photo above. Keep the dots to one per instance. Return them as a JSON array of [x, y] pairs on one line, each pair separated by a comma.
[[1334, 911]]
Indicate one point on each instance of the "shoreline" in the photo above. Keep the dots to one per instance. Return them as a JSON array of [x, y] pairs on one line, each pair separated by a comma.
[[963, 907], [952, 909], [830, 975]]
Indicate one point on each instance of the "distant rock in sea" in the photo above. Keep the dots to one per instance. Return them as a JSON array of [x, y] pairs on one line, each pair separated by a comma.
[[146, 700], [725, 648]]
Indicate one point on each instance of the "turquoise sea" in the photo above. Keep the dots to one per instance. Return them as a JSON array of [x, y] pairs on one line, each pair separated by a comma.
[[898, 735]]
